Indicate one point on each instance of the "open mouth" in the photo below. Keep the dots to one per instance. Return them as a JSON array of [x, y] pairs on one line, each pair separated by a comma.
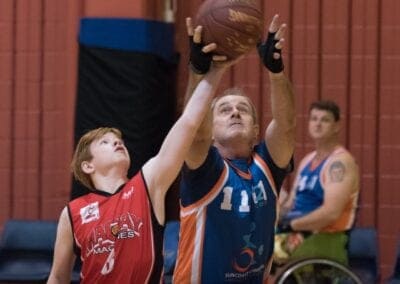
[[236, 123], [119, 148]]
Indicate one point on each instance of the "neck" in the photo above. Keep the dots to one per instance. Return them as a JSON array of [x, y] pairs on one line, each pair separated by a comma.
[[325, 148], [240, 151], [109, 182]]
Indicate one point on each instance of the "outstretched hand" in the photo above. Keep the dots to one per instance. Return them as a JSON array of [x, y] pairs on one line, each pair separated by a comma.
[[270, 51], [201, 55]]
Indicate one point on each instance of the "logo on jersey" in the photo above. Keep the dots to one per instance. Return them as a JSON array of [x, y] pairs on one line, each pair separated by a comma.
[[245, 263], [90, 213], [104, 236], [102, 246], [128, 194]]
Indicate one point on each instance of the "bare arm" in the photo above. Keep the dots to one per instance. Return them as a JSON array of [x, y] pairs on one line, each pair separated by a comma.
[[202, 141], [161, 171], [341, 183], [64, 257], [280, 133]]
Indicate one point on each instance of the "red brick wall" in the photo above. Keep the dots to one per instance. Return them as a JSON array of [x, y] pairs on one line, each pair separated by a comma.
[[345, 50]]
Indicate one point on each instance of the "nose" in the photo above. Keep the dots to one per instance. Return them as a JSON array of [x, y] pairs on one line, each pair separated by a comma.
[[235, 112], [117, 142]]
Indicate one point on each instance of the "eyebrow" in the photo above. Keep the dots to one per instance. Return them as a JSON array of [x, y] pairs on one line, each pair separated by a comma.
[[228, 103]]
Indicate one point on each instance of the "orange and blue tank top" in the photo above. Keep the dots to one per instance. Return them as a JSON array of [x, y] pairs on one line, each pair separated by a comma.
[[228, 216], [310, 193]]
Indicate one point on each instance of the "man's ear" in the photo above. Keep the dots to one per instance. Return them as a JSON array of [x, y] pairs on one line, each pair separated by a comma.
[[338, 127], [87, 167], [256, 129]]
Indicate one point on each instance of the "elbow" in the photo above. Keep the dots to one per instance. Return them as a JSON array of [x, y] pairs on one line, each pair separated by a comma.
[[287, 123], [333, 216], [290, 122], [330, 217]]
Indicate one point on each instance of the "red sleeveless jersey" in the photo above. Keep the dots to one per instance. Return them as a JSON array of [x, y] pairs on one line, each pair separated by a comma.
[[117, 235]]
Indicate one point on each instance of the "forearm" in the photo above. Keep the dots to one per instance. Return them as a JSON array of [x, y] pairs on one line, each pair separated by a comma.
[[205, 127], [282, 102], [313, 221], [203, 93], [193, 80], [65, 279], [280, 133], [179, 139]]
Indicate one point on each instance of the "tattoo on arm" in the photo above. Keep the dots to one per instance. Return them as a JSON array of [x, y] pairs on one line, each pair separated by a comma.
[[337, 171]]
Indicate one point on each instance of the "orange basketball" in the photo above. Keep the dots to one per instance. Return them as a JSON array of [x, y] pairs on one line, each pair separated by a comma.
[[236, 26]]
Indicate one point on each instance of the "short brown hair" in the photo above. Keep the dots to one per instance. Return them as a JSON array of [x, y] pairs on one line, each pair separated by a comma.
[[327, 105], [82, 153], [236, 91]]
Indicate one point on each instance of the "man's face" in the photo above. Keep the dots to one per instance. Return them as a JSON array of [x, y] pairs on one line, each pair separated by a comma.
[[233, 118], [109, 151], [322, 124]]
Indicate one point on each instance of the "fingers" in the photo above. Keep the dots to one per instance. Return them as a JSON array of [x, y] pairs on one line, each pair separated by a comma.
[[209, 47], [189, 26], [219, 58], [277, 28], [273, 26], [281, 32], [280, 43], [226, 63], [197, 34]]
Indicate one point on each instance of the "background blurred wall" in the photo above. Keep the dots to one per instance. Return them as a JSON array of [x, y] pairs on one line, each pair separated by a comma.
[[346, 50]]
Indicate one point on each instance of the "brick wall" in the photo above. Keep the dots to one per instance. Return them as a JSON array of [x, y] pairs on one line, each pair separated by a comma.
[[347, 50]]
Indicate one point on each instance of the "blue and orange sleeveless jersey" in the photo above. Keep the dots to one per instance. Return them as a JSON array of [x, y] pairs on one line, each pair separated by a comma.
[[117, 235], [309, 186], [228, 215]]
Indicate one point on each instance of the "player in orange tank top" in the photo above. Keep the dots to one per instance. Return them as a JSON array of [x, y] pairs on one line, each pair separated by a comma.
[[324, 195]]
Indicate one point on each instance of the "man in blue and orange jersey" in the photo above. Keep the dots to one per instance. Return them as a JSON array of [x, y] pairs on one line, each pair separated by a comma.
[[230, 180]]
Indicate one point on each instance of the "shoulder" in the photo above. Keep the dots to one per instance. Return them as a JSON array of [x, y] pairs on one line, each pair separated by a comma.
[[64, 213], [341, 166], [213, 163], [342, 157], [306, 159], [64, 221]]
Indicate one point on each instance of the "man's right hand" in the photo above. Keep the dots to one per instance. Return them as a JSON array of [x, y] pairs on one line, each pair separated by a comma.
[[201, 55], [270, 51]]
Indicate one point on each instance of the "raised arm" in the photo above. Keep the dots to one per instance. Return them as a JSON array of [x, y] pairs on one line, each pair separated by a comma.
[[161, 171], [280, 133], [64, 257], [201, 58]]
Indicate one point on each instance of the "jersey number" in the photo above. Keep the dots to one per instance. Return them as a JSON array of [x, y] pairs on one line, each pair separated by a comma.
[[258, 194]]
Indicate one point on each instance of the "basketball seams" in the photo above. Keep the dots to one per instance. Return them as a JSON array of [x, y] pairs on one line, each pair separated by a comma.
[[213, 16], [235, 26], [221, 48]]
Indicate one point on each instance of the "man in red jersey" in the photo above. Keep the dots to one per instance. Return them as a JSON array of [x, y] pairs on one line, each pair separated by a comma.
[[117, 229]]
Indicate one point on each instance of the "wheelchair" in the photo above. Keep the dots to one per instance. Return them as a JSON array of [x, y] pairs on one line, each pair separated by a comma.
[[308, 270], [316, 271]]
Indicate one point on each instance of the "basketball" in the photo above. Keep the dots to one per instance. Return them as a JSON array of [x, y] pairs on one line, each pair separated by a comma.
[[236, 26]]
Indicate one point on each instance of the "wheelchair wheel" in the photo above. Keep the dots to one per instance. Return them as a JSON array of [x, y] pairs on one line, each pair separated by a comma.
[[316, 271]]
